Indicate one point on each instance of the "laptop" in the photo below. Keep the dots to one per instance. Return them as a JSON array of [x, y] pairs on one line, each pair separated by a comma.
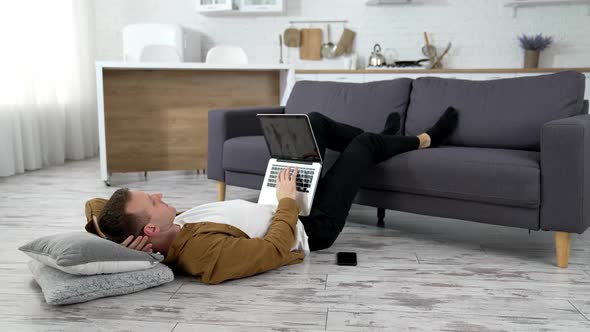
[[291, 143]]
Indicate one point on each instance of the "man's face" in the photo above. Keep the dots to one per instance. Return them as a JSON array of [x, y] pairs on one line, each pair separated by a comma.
[[152, 206]]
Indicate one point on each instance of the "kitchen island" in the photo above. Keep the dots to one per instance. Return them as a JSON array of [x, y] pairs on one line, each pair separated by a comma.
[[153, 116]]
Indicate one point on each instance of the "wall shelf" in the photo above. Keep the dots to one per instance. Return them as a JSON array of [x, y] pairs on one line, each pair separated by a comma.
[[535, 3]]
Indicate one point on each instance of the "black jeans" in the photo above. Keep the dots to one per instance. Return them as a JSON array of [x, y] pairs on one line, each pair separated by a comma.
[[359, 151]]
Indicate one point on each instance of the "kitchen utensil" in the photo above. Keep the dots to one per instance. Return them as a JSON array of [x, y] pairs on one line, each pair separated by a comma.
[[437, 62], [328, 49], [376, 59], [428, 50], [281, 48], [345, 42], [311, 44], [410, 63], [292, 37]]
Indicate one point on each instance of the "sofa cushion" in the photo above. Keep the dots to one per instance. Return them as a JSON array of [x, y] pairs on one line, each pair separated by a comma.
[[364, 105], [247, 154], [496, 176], [505, 113]]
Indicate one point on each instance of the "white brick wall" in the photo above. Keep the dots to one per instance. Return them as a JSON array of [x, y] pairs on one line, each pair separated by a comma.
[[483, 32]]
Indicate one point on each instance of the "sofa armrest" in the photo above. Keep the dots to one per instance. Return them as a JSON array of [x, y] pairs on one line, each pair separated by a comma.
[[228, 123], [565, 174]]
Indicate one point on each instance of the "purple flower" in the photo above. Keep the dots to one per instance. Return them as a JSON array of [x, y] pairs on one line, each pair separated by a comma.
[[535, 43]]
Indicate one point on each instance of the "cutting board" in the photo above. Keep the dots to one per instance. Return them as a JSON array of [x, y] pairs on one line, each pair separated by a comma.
[[311, 44]]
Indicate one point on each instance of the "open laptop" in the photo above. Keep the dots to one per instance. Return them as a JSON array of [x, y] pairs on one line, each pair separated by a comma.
[[291, 143]]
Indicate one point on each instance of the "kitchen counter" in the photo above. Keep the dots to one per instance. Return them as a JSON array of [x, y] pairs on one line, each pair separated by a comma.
[[188, 65], [153, 116], [441, 71]]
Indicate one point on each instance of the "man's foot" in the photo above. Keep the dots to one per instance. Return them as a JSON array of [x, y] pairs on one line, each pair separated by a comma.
[[444, 127], [424, 141], [392, 124]]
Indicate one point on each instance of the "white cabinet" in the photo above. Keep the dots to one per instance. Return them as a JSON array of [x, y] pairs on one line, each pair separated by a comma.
[[353, 77], [261, 6], [373, 77], [239, 6], [458, 76], [347, 78], [491, 76], [306, 77], [217, 5]]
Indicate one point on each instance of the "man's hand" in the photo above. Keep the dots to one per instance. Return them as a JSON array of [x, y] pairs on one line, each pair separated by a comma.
[[286, 184], [140, 243]]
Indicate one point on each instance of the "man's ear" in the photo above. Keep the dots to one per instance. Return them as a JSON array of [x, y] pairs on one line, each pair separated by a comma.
[[151, 230]]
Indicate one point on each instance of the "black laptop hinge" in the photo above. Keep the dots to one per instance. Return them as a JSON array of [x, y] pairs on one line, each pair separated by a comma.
[[295, 161]]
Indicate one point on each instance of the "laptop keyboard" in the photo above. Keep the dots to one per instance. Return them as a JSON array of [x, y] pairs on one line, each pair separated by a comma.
[[302, 182]]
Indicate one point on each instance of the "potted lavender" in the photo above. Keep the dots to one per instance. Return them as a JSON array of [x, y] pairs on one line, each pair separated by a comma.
[[533, 45]]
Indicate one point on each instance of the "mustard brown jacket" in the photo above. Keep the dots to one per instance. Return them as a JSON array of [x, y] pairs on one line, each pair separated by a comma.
[[219, 252]]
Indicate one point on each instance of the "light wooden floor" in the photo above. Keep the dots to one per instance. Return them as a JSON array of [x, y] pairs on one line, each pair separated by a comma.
[[419, 273]]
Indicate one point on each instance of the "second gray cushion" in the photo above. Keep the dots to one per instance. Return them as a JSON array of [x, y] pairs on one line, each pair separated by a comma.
[[506, 113]]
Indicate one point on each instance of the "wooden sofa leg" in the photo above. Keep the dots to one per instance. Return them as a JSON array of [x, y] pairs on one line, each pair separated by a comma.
[[220, 191], [562, 248]]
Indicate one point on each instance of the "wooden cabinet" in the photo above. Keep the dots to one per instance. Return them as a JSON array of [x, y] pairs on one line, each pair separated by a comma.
[[153, 116]]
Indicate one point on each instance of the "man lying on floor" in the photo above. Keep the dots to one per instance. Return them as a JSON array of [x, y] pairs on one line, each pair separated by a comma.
[[235, 239]]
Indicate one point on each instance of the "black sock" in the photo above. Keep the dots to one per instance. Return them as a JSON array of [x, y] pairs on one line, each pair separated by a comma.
[[443, 127], [392, 124]]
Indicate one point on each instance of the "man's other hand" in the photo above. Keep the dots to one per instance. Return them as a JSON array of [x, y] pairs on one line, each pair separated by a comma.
[[286, 183], [140, 243]]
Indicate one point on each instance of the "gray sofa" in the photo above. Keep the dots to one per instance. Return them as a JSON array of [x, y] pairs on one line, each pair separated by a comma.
[[519, 157]]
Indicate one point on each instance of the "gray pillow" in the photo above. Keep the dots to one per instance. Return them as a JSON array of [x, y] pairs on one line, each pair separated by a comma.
[[64, 288], [87, 254]]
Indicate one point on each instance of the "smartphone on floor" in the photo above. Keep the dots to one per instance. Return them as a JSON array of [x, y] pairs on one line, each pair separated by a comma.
[[346, 258]]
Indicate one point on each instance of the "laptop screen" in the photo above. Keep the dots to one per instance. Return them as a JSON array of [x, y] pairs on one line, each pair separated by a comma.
[[289, 137]]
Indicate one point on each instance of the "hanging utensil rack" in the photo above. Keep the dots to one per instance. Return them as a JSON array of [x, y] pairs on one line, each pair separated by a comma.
[[318, 21]]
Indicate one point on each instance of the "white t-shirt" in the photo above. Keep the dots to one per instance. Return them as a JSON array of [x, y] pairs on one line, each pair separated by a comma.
[[251, 218]]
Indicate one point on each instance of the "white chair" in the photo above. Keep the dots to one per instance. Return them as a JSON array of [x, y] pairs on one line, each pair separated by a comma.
[[226, 54], [153, 42], [159, 53]]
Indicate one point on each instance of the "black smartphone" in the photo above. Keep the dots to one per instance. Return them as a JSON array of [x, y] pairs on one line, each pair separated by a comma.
[[346, 258]]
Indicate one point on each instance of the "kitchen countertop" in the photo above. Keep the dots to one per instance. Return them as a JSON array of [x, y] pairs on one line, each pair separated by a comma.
[[202, 65], [440, 71], [188, 65]]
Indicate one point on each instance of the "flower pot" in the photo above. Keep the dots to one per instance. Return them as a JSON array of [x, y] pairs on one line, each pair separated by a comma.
[[531, 59]]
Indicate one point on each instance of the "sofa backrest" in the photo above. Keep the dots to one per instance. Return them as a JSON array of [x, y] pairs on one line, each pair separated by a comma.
[[505, 113], [364, 105]]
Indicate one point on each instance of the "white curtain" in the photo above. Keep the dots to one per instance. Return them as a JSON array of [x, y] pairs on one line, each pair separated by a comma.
[[47, 83]]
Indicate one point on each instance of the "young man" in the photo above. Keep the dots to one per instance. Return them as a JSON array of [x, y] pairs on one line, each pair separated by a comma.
[[235, 239]]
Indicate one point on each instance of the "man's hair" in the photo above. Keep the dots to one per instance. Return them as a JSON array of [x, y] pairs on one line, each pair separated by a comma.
[[114, 222]]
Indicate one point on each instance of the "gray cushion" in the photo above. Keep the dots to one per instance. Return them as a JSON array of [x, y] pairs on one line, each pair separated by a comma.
[[497, 176], [247, 154], [85, 253], [506, 113], [64, 288], [364, 105]]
